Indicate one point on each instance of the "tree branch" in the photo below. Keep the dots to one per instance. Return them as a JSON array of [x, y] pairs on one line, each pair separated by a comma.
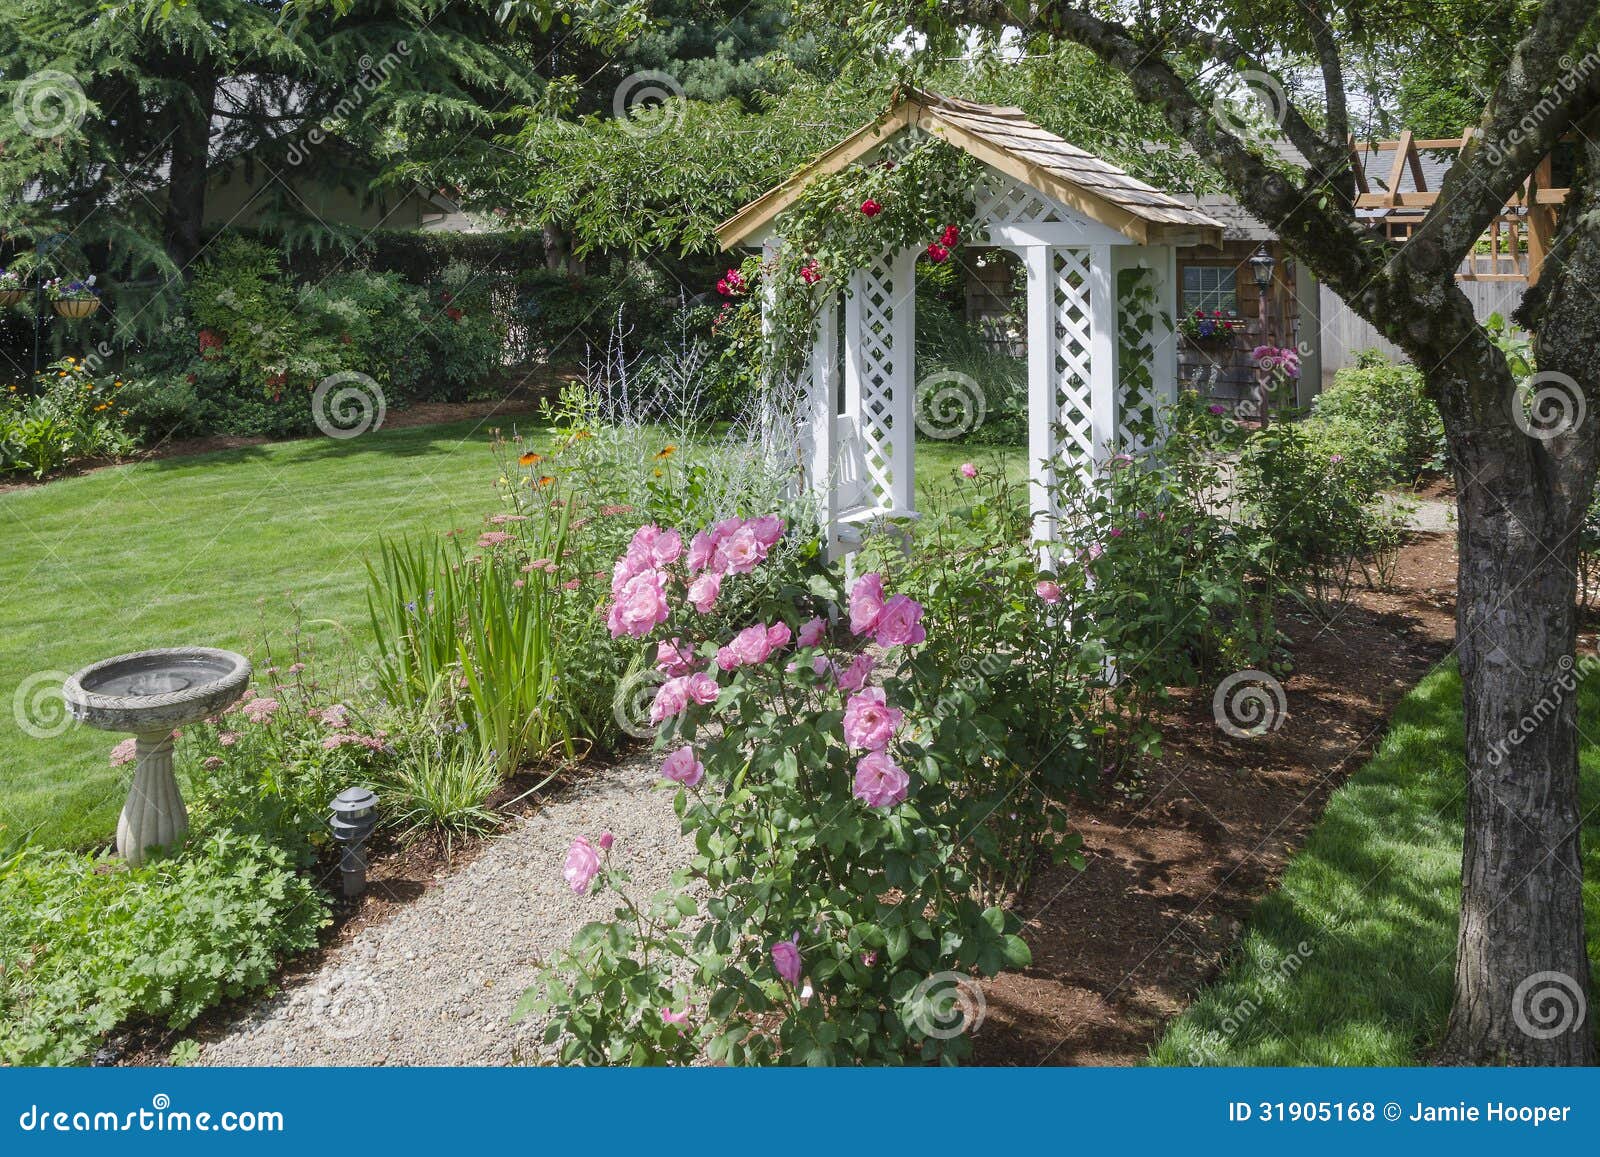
[[1539, 98]]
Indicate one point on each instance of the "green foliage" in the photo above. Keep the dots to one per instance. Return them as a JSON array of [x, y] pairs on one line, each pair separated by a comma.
[[90, 943], [438, 786], [1321, 512], [66, 413], [1379, 417]]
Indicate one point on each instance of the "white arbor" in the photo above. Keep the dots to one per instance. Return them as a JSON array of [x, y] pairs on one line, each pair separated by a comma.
[[1099, 250]]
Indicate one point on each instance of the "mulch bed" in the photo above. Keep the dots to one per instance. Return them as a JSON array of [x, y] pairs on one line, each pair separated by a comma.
[[1122, 946]]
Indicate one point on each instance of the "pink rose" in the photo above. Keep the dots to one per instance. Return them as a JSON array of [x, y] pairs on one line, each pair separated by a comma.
[[811, 633], [900, 624], [606, 840], [704, 590], [701, 549], [642, 606], [866, 603], [786, 959], [869, 722], [778, 635], [855, 677], [701, 688], [1048, 591], [968, 470], [749, 646], [767, 530], [741, 551], [682, 767], [879, 782], [582, 866], [664, 551], [675, 658], [671, 698], [670, 1017]]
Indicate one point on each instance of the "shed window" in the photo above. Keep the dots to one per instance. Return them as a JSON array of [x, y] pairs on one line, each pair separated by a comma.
[[1209, 288]]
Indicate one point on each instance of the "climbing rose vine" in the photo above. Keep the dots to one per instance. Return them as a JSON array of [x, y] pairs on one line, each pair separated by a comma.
[[832, 788]]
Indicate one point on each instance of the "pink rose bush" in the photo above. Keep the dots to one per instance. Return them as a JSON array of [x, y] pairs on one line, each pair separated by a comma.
[[832, 788]]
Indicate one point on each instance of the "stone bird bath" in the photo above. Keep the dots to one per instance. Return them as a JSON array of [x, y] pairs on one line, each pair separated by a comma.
[[149, 693]]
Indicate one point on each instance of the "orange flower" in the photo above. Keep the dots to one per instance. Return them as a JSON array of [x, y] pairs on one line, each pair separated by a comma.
[[530, 458], [544, 480], [666, 452]]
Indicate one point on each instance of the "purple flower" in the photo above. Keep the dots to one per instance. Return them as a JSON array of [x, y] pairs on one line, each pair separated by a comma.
[[786, 959]]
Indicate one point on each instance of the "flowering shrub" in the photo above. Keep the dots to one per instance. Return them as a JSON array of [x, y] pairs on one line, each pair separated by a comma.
[[1171, 587], [65, 414], [826, 784]]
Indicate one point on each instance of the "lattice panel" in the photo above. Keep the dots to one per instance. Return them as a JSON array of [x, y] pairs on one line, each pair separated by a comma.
[[1069, 287], [877, 303], [1001, 200], [1138, 401]]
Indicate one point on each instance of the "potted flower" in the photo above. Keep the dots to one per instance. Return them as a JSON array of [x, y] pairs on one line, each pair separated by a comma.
[[73, 299], [1214, 328], [12, 287]]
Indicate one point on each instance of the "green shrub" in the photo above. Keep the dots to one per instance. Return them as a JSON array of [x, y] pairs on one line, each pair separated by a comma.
[[89, 943], [1377, 416]]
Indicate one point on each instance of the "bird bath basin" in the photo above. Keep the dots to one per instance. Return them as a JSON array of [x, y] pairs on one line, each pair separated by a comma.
[[148, 694]]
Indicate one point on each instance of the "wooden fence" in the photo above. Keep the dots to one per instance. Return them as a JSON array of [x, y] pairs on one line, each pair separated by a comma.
[[1344, 334]]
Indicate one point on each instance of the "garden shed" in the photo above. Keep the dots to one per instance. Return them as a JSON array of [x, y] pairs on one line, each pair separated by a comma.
[[1098, 247]]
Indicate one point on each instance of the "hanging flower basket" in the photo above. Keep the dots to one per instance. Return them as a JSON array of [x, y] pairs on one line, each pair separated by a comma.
[[10, 297], [73, 299], [77, 308], [12, 287]]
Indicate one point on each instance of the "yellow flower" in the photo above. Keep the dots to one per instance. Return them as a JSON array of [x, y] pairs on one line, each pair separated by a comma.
[[666, 452]]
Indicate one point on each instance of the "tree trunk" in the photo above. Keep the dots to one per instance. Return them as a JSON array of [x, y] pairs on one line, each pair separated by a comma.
[[189, 170], [1522, 972]]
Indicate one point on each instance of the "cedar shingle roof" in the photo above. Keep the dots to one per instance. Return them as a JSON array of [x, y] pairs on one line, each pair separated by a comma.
[[1008, 141]]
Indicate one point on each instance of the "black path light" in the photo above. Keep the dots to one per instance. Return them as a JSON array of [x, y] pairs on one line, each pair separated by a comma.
[[355, 814]]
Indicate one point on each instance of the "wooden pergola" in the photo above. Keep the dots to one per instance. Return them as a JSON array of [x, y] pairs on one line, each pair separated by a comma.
[[1518, 239]]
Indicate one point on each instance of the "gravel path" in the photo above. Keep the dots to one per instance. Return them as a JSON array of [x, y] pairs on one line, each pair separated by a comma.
[[436, 983]]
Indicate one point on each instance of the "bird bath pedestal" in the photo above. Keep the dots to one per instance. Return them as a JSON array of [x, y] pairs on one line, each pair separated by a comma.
[[150, 693]]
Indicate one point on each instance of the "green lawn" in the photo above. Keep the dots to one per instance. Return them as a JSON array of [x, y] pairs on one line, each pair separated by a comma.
[[1350, 961], [204, 550], [216, 550]]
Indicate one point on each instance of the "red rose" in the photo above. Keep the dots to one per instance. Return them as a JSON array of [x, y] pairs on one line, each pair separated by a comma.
[[937, 253], [809, 273], [452, 313], [1216, 313], [871, 208], [950, 237]]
